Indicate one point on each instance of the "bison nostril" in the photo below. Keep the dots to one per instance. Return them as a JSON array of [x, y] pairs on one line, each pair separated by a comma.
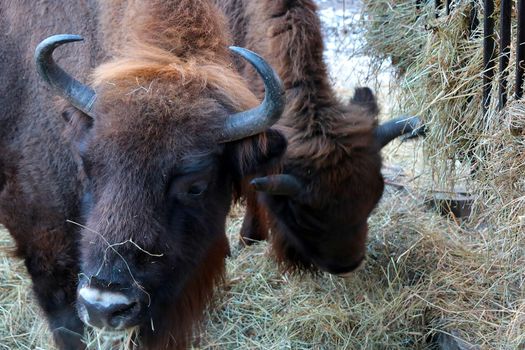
[[122, 311], [106, 309]]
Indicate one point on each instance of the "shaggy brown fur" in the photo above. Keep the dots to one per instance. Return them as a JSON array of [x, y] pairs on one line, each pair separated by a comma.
[[41, 188], [147, 177], [331, 144]]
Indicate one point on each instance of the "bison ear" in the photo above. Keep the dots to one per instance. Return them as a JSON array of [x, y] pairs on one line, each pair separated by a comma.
[[258, 154], [78, 127], [365, 98]]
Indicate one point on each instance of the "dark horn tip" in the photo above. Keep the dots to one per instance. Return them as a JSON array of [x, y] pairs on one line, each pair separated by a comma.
[[44, 51], [272, 81], [79, 95], [280, 184], [49, 44], [416, 129], [260, 118], [404, 127], [258, 183]]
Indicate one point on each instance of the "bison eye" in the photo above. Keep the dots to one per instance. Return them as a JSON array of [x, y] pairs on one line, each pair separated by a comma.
[[197, 188], [187, 189]]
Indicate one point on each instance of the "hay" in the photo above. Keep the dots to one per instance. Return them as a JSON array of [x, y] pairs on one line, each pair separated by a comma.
[[21, 325], [395, 29], [444, 86], [483, 153], [424, 275], [501, 181], [442, 83]]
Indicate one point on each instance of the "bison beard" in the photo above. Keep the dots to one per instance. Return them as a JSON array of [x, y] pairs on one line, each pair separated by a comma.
[[119, 207]]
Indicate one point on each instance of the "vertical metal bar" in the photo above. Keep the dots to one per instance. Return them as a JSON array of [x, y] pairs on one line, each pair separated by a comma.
[[505, 32], [473, 18], [520, 51], [488, 52]]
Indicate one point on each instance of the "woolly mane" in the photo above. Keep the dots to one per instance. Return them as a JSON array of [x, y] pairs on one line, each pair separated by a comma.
[[181, 42], [320, 128]]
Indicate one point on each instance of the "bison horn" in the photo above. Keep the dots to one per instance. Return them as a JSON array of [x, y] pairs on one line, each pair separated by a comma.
[[78, 94], [280, 185], [260, 118], [394, 128]]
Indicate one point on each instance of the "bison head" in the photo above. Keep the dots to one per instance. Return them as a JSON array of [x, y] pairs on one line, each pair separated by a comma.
[[330, 184], [161, 144]]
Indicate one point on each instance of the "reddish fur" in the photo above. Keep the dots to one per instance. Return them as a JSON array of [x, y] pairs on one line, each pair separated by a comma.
[[186, 312], [331, 145]]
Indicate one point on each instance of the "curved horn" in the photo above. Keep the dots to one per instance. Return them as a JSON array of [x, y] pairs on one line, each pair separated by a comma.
[[78, 94], [394, 128], [260, 118], [281, 185]]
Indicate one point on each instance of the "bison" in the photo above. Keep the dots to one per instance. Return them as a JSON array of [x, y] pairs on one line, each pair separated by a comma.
[[117, 193], [317, 209]]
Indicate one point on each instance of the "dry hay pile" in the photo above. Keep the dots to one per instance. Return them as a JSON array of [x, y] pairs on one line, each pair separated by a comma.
[[425, 275], [395, 29], [501, 181], [486, 152], [444, 86], [442, 76]]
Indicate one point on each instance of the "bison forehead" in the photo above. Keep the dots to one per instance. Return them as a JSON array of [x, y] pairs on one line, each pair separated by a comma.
[[158, 127], [138, 110], [353, 179]]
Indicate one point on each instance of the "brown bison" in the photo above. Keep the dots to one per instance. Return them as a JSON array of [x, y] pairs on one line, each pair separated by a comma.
[[117, 194], [318, 208]]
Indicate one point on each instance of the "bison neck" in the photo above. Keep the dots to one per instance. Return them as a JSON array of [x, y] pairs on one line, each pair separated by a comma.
[[288, 34]]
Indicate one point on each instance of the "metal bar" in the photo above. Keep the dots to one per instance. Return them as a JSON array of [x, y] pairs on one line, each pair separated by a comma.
[[505, 33], [520, 51], [488, 52], [473, 18]]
